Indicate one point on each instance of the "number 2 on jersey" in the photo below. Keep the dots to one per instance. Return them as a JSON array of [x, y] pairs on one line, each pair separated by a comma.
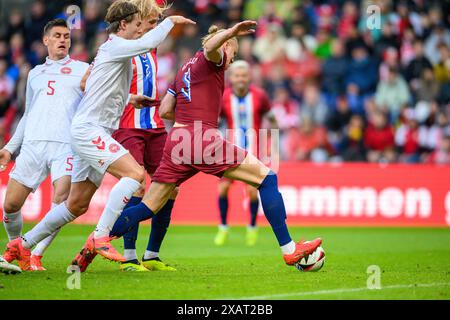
[[51, 90], [186, 91]]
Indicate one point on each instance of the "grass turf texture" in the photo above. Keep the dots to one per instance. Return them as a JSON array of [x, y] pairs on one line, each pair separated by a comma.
[[406, 257]]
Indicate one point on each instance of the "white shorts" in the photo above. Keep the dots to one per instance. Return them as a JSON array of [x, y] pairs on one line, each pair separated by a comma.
[[38, 159], [95, 150]]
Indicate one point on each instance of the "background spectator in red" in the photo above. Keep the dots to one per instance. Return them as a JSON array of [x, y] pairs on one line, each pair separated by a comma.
[[407, 138], [308, 142], [379, 139], [305, 54]]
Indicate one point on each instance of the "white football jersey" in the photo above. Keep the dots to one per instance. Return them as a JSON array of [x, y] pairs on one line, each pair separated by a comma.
[[52, 96], [108, 85]]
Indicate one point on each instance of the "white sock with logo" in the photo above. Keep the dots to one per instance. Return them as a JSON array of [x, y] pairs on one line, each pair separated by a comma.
[[13, 223], [56, 218], [117, 200]]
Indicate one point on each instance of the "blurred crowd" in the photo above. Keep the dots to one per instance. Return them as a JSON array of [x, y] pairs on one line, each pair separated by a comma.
[[345, 85]]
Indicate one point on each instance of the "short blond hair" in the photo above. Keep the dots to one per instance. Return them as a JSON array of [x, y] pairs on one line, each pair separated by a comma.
[[149, 7], [239, 64], [212, 31]]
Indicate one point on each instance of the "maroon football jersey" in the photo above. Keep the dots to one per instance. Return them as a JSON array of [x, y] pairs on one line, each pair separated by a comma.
[[198, 89]]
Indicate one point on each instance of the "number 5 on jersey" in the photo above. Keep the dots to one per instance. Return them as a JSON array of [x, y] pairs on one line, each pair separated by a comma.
[[51, 90]]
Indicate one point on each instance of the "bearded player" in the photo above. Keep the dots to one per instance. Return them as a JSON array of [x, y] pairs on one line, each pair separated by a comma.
[[97, 116], [194, 101], [244, 107], [52, 96]]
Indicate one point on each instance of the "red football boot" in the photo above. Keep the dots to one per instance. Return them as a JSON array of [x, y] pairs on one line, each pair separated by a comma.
[[302, 249]]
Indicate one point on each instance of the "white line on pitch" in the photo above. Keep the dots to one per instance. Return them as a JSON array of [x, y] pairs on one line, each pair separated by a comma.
[[335, 291]]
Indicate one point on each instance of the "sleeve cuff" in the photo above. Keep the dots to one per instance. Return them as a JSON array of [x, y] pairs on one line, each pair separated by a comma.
[[10, 149], [171, 92]]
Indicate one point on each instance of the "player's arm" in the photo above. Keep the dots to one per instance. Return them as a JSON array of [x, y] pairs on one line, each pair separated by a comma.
[[16, 141], [140, 101], [167, 108], [152, 39], [212, 47], [85, 78]]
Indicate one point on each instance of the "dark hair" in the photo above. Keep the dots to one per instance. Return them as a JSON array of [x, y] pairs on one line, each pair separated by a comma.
[[55, 23], [118, 11]]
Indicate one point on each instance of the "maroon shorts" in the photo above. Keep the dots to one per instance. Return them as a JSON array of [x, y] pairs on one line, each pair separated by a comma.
[[146, 146], [188, 151]]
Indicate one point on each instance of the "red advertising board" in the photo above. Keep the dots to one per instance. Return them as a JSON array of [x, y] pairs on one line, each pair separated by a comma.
[[325, 194]]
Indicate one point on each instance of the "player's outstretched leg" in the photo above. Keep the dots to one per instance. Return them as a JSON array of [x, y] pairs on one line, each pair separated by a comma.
[[252, 230], [222, 233], [255, 173], [19, 249], [155, 198]]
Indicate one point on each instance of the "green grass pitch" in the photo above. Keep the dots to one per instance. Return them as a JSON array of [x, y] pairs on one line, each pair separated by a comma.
[[414, 264]]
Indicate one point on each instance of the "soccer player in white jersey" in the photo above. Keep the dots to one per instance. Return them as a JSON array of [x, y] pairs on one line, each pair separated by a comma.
[[97, 116], [52, 96]]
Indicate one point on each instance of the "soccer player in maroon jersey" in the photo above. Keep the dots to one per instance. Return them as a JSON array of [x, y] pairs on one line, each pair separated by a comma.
[[244, 108], [194, 101]]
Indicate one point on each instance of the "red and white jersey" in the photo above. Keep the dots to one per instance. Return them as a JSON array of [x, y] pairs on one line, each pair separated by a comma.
[[145, 69], [108, 86], [52, 97], [245, 113]]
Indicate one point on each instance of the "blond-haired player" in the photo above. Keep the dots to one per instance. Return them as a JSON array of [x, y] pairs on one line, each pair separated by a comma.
[[143, 133], [97, 152]]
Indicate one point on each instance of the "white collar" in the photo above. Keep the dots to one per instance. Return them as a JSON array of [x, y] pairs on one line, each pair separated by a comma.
[[63, 61]]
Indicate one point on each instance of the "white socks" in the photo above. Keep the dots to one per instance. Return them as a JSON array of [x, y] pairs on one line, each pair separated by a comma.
[[288, 248], [55, 219], [130, 254], [150, 255], [118, 198], [13, 224], [43, 245]]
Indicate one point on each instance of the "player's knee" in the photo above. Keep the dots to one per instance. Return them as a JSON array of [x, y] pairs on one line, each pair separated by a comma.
[[271, 181], [60, 196], [11, 206], [137, 174], [77, 206]]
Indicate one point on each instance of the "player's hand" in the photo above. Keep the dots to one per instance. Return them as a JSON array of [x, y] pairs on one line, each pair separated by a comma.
[[181, 20], [243, 28], [141, 101], [5, 158]]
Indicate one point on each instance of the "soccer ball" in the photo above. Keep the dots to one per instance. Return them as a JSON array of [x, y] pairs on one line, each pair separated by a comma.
[[312, 262]]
